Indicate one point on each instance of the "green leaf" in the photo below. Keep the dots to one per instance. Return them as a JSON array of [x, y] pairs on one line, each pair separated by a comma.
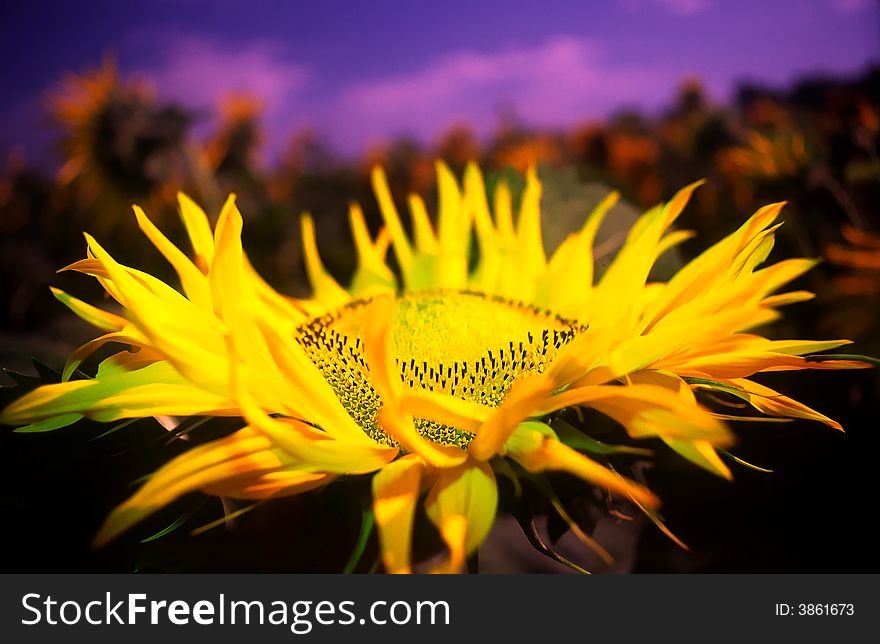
[[545, 487], [688, 450], [504, 468], [576, 439], [47, 374], [48, 425], [737, 459], [174, 525], [22, 380], [714, 385], [530, 530], [116, 428], [823, 357], [225, 518], [188, 425], [367, 522]]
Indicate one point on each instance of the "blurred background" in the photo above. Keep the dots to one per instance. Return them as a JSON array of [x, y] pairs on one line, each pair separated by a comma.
[[289, 105]]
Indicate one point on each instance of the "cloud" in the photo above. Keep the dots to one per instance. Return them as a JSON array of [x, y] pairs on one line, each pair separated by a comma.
[[553, 83], [559, 81], [199, 70]]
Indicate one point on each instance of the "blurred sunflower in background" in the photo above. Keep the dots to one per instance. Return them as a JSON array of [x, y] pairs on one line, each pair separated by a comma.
[[231, 154], [444, 374], [118, 141], [854, 290]]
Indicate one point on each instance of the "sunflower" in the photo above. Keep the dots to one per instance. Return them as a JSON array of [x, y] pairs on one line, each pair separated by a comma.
[[439, 376], [118, 140], [853, 292]]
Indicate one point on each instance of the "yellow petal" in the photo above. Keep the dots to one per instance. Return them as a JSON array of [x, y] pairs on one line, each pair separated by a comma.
[[453, 232], [788, 298], [399, 239], [741, 364], [395, 492], [312, 449], [528, 226], [195, 285], [525, 397], [326, 289], [646, 410], [372, 275], [462, 504], [773, 403], [651, 349], [628, 272], [129, 336], [385, 377], [126, 361], [259, 486], [568, 281], [93, 315], [703, 274], [199, 230], [155, 390], [537, 453], [475, 195], [802, 347], [769, 279], [188, 336], [503, 208], [486, 276], [233, 295], [307, 393], [701, 453], [423, 231], [446, 410], [242, 454]]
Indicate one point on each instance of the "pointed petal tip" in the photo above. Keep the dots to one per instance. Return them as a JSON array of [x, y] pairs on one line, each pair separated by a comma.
[[441, 166], [120, 520], [101, 538], [472, 168], [73, 266], [772, 210], [143, 221], [377, 175], [184, 198], [117, 522]]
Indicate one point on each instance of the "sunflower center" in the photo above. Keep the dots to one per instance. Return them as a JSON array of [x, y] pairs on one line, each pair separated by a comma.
[[465, 345]]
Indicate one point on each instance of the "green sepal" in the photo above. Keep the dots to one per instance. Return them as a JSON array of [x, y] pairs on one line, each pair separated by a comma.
[[576, 439]]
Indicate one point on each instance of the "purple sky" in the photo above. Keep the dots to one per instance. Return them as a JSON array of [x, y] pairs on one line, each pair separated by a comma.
[[363, 70]]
